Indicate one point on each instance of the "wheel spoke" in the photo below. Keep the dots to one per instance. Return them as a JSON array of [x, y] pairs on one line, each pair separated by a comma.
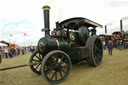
[[37, 57], [62, 57], [35, 60], [99, 57], [56, 75], [40, 56], [37, 65], [64, 65], [98, 50], [61, 60], [97, 60], [54, 59], [60, 74], [48, 71], [49, 62], [53, 75], [64, 61], [63, 71], [49, 65], [57, 60], [99, 46], [98, 42]]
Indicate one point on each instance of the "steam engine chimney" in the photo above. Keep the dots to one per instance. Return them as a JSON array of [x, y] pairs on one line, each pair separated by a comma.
[[46, 20], [105, 29], [121, 25]]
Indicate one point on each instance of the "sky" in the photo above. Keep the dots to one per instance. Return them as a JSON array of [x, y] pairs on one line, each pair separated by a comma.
[[26, 16]]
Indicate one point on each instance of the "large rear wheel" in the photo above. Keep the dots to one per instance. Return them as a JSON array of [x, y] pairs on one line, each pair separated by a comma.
[[95, 50]]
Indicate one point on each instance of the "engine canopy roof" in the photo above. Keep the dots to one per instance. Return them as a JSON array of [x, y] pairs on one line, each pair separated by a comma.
[[74, 23]]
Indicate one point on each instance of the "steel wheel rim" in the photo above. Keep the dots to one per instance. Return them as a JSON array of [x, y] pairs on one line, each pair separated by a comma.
[[98, 51], [57, 68], [36, 58]]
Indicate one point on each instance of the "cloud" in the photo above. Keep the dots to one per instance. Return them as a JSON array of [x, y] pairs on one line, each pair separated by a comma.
[[17, 17], [115, 3], [13, 25], [15, 28]]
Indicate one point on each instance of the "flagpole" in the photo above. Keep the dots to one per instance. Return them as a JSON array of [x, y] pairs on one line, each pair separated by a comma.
[[24, 38], [10, 39], [23, 41], [9, 42]]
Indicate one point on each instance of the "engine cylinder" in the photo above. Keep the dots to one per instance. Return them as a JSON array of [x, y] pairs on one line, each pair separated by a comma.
[[62, 44]]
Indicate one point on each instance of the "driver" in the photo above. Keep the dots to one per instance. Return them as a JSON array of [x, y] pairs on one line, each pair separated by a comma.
[[93, 31]]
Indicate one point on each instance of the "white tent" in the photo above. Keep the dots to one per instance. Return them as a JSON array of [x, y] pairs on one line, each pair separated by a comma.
[[1, 44]]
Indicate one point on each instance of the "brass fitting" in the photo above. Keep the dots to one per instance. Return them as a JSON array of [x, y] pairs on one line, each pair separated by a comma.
[[46, 7]]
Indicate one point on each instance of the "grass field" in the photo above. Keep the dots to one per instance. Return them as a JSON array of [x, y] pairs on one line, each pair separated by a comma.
[[112, 71]]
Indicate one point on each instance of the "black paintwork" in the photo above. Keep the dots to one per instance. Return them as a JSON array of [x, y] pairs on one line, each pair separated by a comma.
[[46, 23], [77, 21], [48, 45]]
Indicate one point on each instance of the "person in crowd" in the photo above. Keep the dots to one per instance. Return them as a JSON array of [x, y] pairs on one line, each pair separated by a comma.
[[119, 44], [0, 56], [26, 50], [22, 50], [16, 51], [13, 52], [110, 46], [6, 52], [10, 53], [32, 49], [104, 44], [127, 44]]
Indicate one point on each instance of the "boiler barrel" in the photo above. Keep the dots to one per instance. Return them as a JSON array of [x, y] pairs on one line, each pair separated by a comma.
[[51, 43]]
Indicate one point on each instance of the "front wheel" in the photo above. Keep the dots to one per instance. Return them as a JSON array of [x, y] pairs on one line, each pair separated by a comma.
[[56, 66]]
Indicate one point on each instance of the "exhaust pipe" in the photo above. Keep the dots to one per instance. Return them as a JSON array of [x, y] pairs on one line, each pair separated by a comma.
[[105, 29], [121, 26], [46, 20]]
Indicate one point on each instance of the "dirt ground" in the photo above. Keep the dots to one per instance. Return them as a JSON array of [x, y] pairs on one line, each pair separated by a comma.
[[112, 71]]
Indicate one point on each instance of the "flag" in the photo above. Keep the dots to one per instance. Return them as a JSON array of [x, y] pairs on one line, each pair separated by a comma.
[[11, 35], [25, 34]]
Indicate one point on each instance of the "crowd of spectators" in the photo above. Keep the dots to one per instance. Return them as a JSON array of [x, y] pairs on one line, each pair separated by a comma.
[[8, 52], [119, 44]]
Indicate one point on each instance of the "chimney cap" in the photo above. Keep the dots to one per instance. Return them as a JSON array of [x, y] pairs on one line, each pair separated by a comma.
[[46, 7]]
